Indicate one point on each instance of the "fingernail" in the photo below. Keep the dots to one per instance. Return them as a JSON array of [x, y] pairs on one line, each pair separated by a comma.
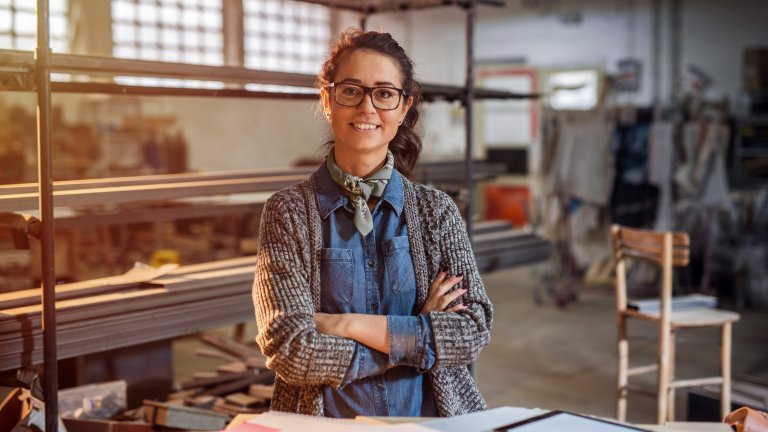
[[465, 289], [460, 275], [465, 304]]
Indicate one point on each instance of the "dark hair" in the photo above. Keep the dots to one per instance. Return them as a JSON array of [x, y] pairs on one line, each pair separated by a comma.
[[406, 145]]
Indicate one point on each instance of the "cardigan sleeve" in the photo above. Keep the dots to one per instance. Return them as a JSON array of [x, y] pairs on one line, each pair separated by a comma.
[[282, 298], [460, 336]]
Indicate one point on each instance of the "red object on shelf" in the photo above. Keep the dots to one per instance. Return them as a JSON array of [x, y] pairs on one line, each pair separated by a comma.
[[508, 202]]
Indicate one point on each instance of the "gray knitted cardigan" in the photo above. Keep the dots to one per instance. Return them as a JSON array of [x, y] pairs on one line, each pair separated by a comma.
[[286, 294]]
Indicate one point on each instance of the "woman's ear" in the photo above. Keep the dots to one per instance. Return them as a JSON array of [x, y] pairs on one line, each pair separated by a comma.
[[407, 106], [325, 98]]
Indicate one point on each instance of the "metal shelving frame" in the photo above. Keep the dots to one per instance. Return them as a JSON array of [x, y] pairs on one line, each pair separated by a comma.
[[26, 71]]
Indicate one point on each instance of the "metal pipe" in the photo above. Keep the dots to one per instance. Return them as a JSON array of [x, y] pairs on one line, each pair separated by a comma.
[[469, 98], [676, 37], [657, 16], [48, 271]]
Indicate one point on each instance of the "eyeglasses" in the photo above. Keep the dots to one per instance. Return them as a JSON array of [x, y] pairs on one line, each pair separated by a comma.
[[351, 95]]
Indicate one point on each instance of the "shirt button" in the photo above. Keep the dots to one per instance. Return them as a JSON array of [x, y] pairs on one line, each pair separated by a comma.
[[371, 263], [380, 386], [374, 306]]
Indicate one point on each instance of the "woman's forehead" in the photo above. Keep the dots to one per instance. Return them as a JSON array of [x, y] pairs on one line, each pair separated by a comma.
[[369, 67]]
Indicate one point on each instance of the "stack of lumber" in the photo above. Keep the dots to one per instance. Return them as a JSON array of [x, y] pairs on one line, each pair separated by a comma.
[[242, 385], [109, 313], [15, 198], [497, 246]]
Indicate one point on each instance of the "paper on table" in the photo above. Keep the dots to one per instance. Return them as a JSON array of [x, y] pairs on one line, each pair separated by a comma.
[[287, 422], [483, 420], [572, 423]]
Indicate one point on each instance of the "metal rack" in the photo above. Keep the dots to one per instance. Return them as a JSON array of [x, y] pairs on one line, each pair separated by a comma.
[[25, 71]]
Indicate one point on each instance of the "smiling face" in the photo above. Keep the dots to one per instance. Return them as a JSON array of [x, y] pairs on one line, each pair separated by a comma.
[[363, 130]]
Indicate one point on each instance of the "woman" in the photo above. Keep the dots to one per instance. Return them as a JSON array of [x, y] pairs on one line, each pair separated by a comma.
[[346, 312]]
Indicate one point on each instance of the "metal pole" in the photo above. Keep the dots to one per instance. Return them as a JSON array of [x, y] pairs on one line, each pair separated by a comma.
[[469, 169], [676, 37], [48, 276]]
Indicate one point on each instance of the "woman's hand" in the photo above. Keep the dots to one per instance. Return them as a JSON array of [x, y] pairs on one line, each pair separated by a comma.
[[439, 296]]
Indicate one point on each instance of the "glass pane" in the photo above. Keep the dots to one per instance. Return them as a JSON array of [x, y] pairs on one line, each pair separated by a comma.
[[25, 5], [123, 33], [25, 23], [171, 37], [57, 26], [5, 4], [250, 7], [5, 20], [192, 57], [171, 55], [271, 7], [212, 20], [122, 11], [6, 42], [191, 18], [57, 6], [25, 43], [191, 39], [212, 42], [213, 58], [148, 35], [170, 15], [125, 51], [216, 4], [150, 53], [59, 45], [148, 13]]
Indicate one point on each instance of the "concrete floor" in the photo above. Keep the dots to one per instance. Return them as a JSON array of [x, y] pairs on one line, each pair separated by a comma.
[[543, 356]]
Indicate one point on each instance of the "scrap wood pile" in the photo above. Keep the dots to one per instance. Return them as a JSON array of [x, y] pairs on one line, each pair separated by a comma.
[[127, 310], [243, 385], [207, 401]]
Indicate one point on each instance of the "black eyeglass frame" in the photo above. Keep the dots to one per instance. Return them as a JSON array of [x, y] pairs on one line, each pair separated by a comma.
[[369, 92]]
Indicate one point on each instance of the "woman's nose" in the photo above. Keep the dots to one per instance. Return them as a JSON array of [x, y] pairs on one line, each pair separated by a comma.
[[366, 105]]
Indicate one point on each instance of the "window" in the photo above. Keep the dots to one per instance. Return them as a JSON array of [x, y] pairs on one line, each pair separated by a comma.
[[18, 24], [183, 31], [286, 36]]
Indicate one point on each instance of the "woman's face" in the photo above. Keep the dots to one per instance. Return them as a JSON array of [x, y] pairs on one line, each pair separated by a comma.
[[364, 128]]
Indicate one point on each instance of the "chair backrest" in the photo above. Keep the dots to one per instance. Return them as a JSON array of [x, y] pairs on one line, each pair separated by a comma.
[[666, 249]]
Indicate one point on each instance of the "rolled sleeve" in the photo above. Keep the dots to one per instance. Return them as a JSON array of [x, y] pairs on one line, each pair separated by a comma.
[[365, 362], [410, 342]]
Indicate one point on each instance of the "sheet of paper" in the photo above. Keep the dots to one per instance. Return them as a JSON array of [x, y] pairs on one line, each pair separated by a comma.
[[572, 423], [286, 422], [483, 420]]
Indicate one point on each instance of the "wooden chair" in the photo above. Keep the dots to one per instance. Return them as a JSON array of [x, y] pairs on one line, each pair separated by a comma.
[[666, 249]]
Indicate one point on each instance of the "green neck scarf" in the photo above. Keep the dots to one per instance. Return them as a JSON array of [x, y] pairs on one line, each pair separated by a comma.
[[360, 190]]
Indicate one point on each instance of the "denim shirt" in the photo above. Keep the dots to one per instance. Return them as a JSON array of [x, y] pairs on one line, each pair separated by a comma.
[[374, 274]]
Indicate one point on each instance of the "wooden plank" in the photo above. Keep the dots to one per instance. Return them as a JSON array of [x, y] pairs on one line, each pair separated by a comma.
[[149, 192], [68, 185], [215, 380], [239, 350], [181, 417], [114, 334], [261, 390], [264, 377]]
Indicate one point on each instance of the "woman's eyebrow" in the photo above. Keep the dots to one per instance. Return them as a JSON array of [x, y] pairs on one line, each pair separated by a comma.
[[377, 83]]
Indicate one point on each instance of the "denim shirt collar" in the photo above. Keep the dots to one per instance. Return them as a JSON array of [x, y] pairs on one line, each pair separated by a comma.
[[330, 195]]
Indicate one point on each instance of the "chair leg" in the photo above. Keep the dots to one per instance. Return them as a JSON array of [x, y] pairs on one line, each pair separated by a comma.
[[671, 393], [725, 368], [663, 381], [622, 367]]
